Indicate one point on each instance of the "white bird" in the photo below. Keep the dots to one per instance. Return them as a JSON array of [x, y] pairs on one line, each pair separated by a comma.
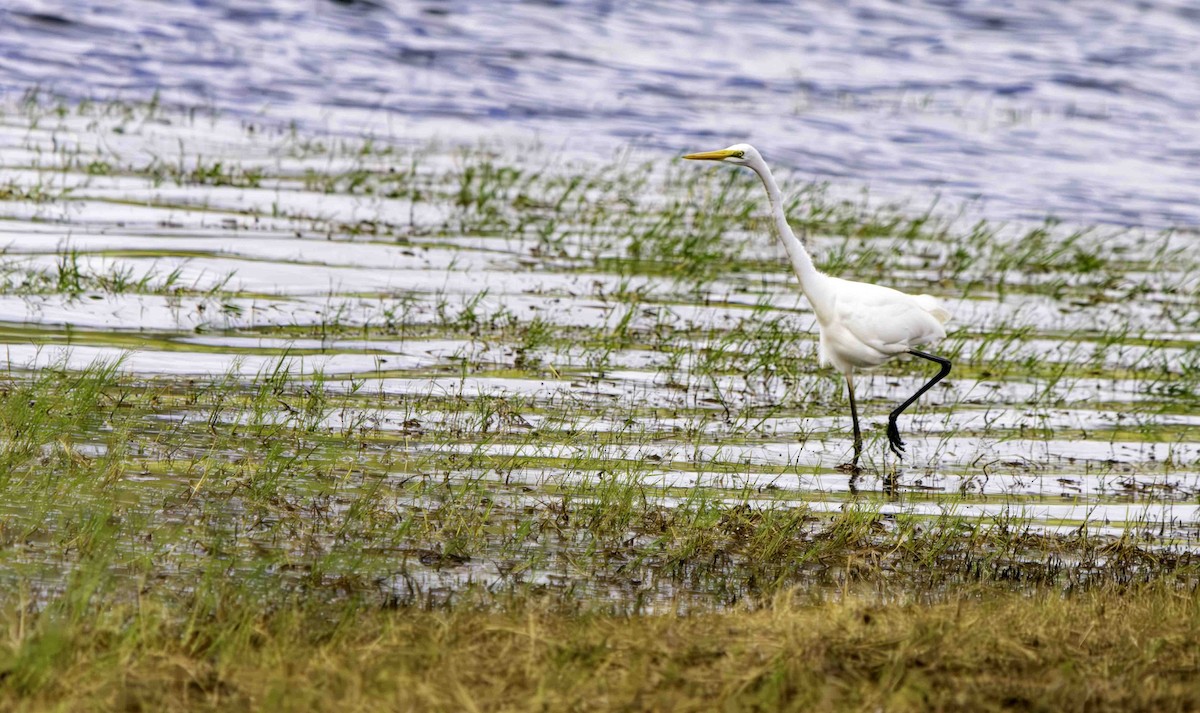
[[862, 325]]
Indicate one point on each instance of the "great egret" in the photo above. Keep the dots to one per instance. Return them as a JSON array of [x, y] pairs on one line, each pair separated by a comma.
[[862, 325]]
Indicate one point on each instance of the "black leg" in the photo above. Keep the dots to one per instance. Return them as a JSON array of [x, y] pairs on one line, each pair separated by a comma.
[[852, 467], [854, 418], [893, 431]]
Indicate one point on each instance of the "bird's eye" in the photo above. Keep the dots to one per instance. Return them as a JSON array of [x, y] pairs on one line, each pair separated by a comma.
[[740, 154]]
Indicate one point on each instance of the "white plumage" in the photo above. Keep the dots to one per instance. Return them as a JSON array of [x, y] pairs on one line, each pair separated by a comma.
[[862, 325], [868, 325]]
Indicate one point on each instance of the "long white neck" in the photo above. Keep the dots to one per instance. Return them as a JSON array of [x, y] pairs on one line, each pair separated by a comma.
[[812, 281]]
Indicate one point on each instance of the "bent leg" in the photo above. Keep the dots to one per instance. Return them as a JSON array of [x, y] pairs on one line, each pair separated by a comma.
[[893, 430]]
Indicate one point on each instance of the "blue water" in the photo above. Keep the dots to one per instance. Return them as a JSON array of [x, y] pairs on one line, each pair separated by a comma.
[[1088, 110]]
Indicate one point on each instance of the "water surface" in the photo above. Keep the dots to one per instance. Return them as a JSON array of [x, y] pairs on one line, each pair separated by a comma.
[[1087, 111]]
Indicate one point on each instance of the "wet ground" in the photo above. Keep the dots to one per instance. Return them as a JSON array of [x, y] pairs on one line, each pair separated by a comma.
[[518, 325]]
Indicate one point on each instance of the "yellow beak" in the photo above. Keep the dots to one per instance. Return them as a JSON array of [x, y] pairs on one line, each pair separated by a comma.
[[711, 155]]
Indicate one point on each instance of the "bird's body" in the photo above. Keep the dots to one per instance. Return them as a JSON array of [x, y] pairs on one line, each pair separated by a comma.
[[866, 325], [862, 325]]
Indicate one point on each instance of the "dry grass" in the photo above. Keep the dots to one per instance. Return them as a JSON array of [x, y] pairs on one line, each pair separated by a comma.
[[1104, 650]]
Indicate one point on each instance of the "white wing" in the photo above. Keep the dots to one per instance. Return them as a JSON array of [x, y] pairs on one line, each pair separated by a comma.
[[885, 320]]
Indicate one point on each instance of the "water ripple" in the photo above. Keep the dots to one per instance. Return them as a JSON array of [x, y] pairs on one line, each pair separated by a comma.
[[1087, 111]]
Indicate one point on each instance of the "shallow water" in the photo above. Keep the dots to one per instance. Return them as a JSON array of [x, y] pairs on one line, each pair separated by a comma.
[[1088, 111], [276, 286], [1071, 408]]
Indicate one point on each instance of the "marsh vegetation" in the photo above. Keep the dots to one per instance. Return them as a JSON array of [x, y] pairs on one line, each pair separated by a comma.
[[490, 428]]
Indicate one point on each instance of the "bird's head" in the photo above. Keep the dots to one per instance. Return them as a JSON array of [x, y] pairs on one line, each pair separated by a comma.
[[740, 154]]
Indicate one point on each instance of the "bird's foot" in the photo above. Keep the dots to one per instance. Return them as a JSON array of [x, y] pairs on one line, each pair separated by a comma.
[[852, 468], [894, 440]]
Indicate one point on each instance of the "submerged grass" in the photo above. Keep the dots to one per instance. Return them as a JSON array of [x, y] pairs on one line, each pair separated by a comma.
[[277, 474], [583, 478]]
